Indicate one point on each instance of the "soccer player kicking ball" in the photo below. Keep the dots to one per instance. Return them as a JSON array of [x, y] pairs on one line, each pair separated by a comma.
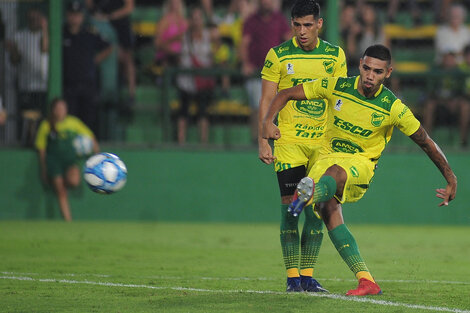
[[361, 116], [302, 58]]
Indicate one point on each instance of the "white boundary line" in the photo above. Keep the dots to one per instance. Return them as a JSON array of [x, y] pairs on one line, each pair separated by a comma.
[[320, 295], [408, 281]]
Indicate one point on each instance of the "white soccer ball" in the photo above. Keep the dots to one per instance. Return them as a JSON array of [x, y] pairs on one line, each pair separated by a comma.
[[83, 145], [105, 173]]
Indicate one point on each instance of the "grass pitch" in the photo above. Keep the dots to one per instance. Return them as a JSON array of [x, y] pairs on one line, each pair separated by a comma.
[[163, 267]]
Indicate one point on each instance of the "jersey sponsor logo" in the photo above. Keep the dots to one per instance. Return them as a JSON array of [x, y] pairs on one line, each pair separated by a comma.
[[290, 68], [312, 108], [282, 49], [377, 119], [324, 83], [345, 85], [338, 105], [354, 171], [386, 100], [308, 131], [346, 146], [402, 113], [328, 65], [268, 64], [297, 81], [350, 127]]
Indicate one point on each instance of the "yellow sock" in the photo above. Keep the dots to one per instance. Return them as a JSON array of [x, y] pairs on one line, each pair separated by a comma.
[[293, 272], [366, 275], [306, 272]]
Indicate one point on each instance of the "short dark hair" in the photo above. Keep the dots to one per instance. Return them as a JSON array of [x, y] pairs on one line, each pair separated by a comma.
[[303, 8], [379, 52]]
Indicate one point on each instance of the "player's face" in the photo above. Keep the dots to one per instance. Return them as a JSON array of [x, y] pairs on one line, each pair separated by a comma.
[[60, 110], [373, 73], [306, 30]]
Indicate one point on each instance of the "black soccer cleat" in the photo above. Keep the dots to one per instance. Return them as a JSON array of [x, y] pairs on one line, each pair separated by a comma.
[[293, 284]]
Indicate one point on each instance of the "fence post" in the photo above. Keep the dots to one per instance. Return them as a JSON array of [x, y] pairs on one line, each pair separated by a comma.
[[332, 22], [55, 50]]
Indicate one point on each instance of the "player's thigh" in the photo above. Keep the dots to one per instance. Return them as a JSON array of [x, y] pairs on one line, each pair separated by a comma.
[[359, 172]]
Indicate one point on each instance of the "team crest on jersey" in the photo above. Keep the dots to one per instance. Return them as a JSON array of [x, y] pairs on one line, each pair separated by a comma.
[[290, 68], [354, 171], [328, 65], [377, 119], [338, 105]]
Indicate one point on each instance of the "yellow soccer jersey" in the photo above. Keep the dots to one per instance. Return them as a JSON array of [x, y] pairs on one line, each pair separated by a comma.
[[70, 126], [288, 65], [357, 124]]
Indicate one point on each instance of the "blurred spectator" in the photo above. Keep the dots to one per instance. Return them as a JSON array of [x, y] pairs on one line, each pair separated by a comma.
[[83, 50], [465, 109], [350, 29], [170, 32], [448, 103], [29, 52], [368, 31], [264, 29], [208, 9], [231, 25], [414, 8], [3, 113], [454, 35], [118, 12], [57, 156], [196, 53], [224, 55]]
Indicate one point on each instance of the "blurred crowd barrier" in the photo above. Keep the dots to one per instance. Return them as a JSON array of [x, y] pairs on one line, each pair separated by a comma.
[[213, 108]]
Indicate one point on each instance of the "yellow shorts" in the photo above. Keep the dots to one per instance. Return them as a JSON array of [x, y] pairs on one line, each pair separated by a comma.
[[359, 169], [293, 155]]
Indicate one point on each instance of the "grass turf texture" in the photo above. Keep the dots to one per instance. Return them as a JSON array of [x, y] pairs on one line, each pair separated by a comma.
[[162, 267]]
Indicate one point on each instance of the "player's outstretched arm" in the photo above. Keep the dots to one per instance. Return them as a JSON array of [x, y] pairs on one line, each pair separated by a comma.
[[437, 156], [268, 92], [270, 131]]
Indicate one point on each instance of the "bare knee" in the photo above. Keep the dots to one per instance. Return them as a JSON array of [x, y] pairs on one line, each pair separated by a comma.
[[72, 177], [339, 175]]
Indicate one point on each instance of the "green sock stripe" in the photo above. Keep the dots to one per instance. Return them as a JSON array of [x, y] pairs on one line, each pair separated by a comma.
[[311, 240], [346, 245], [289, 236], [325, 189]]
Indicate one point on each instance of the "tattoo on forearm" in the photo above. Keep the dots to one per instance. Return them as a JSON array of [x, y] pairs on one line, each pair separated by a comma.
[[434, 152]]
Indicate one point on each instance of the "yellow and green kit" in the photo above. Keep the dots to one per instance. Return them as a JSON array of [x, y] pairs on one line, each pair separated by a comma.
[[358, 129], [302, 123]]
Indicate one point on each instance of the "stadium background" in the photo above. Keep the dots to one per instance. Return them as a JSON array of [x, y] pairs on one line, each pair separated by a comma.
[[224, 180]]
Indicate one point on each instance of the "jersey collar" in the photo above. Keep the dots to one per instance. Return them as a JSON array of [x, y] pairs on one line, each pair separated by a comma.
[[296, 44], [356, 82]]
